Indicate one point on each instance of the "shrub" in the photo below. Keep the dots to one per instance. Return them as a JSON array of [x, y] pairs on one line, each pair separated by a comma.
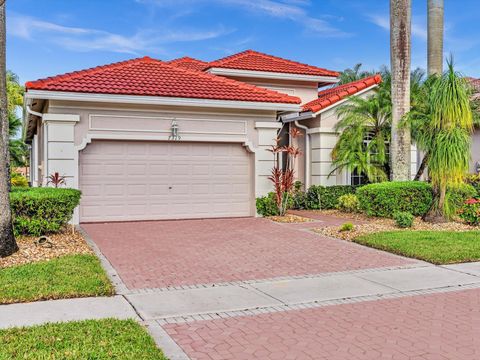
[[18, 180], [266, 205], [403, 219], [456, 197], [384, 199], [346, 227], [470, 212], [474, 180], [326, 197], [299, 197], [348, 203], [39, 211]]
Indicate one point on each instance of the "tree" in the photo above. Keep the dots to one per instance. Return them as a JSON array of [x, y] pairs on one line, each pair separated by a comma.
[[18, 148], [400, 58], [365, 126], [435, 10], [352, 74], [8, 244], [451, 122]]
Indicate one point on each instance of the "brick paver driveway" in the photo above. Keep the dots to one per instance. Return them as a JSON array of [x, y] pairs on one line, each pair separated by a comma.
[[188, 252], [428, 327]]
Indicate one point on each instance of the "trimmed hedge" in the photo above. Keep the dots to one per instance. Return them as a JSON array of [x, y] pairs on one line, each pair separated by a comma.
[[326, 197], [39, 211], [386, 198]]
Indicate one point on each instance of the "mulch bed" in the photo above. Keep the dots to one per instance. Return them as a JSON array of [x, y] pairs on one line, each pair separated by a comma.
[[375, 225], [289, 218], [64, 243]]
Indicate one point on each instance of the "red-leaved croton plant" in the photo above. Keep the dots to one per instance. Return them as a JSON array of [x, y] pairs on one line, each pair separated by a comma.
[[283, 178]]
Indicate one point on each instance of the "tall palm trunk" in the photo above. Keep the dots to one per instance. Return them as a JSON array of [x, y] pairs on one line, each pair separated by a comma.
[[7, 241], [435, 54], [400, 58], [435, 36]]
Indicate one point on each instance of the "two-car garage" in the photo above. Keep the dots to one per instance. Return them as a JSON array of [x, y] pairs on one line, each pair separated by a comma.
[[151, 180]]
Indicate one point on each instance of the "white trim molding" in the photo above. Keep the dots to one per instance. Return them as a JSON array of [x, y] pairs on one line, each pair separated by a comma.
[[158, 100], [324, 130], [268, 125], [61, 117], [273, 75]]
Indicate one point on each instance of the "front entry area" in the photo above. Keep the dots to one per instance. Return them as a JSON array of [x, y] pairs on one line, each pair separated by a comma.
[[143, 180]]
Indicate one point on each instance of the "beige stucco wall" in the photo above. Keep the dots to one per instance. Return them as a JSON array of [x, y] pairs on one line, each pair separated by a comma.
[[306, 91], [475, 150]]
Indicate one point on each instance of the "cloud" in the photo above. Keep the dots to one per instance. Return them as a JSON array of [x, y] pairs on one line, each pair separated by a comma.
[[419, 29], [293, 10], [86, 39]]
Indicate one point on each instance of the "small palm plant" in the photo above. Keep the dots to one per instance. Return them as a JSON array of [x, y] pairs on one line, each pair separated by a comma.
[[283, 178], [364, 129], [451, 123], [56, 180]]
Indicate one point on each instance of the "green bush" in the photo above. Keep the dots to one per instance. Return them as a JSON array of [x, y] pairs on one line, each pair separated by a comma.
[[386, 198], [456, 197], [18, 180], [348, 203], [403, 219], [266, 205], [474, 180], [39, 211], [326, 197], [299, 197], [346, 227]]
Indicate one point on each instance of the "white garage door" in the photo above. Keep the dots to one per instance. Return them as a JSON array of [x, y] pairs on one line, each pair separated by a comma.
[[136, 180]]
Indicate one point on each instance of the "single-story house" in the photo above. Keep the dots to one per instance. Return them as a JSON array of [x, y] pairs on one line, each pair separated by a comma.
[[475, 163], [145, 139]]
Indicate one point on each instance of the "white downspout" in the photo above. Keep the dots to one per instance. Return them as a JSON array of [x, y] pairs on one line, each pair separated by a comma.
[[45, 144], [307, 154]]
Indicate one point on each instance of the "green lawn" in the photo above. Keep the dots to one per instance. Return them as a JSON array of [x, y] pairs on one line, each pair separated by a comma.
[[438, 247], [65, 277], [91, 339]]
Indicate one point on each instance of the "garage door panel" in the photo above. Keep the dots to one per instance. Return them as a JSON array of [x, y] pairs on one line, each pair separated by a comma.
[[155, 180]]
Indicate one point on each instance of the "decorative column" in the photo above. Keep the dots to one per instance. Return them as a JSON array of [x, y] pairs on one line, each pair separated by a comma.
[[59, 151], [267, 133]]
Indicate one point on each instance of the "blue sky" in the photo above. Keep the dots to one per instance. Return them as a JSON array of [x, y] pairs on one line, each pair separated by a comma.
[[49, 37]]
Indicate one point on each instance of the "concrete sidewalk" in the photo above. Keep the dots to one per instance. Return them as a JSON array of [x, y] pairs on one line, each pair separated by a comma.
[[40, 312], [229, 300]]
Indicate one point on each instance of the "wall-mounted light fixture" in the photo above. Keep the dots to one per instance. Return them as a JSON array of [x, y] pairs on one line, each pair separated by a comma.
[[174, 131]]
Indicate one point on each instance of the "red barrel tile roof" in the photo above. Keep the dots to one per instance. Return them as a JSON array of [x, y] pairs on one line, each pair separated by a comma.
[[151, 77], [256, 61], [333, 95], [189, 63]]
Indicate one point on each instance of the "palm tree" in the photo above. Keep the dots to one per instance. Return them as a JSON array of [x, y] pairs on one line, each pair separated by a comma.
[[18, 148], [451, 122], [435, 36], [352, 74], [8, 244], [362, 146], [400, 57]]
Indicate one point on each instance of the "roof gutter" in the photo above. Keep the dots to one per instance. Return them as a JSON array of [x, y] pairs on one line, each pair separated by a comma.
[[296, 116]]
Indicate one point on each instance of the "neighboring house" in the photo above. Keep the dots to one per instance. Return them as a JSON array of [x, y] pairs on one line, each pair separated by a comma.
[[475, 163], [145, 139]]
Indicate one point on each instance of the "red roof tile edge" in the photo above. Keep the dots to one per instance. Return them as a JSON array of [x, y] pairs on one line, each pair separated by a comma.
[[223, 63], [333, 95]]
